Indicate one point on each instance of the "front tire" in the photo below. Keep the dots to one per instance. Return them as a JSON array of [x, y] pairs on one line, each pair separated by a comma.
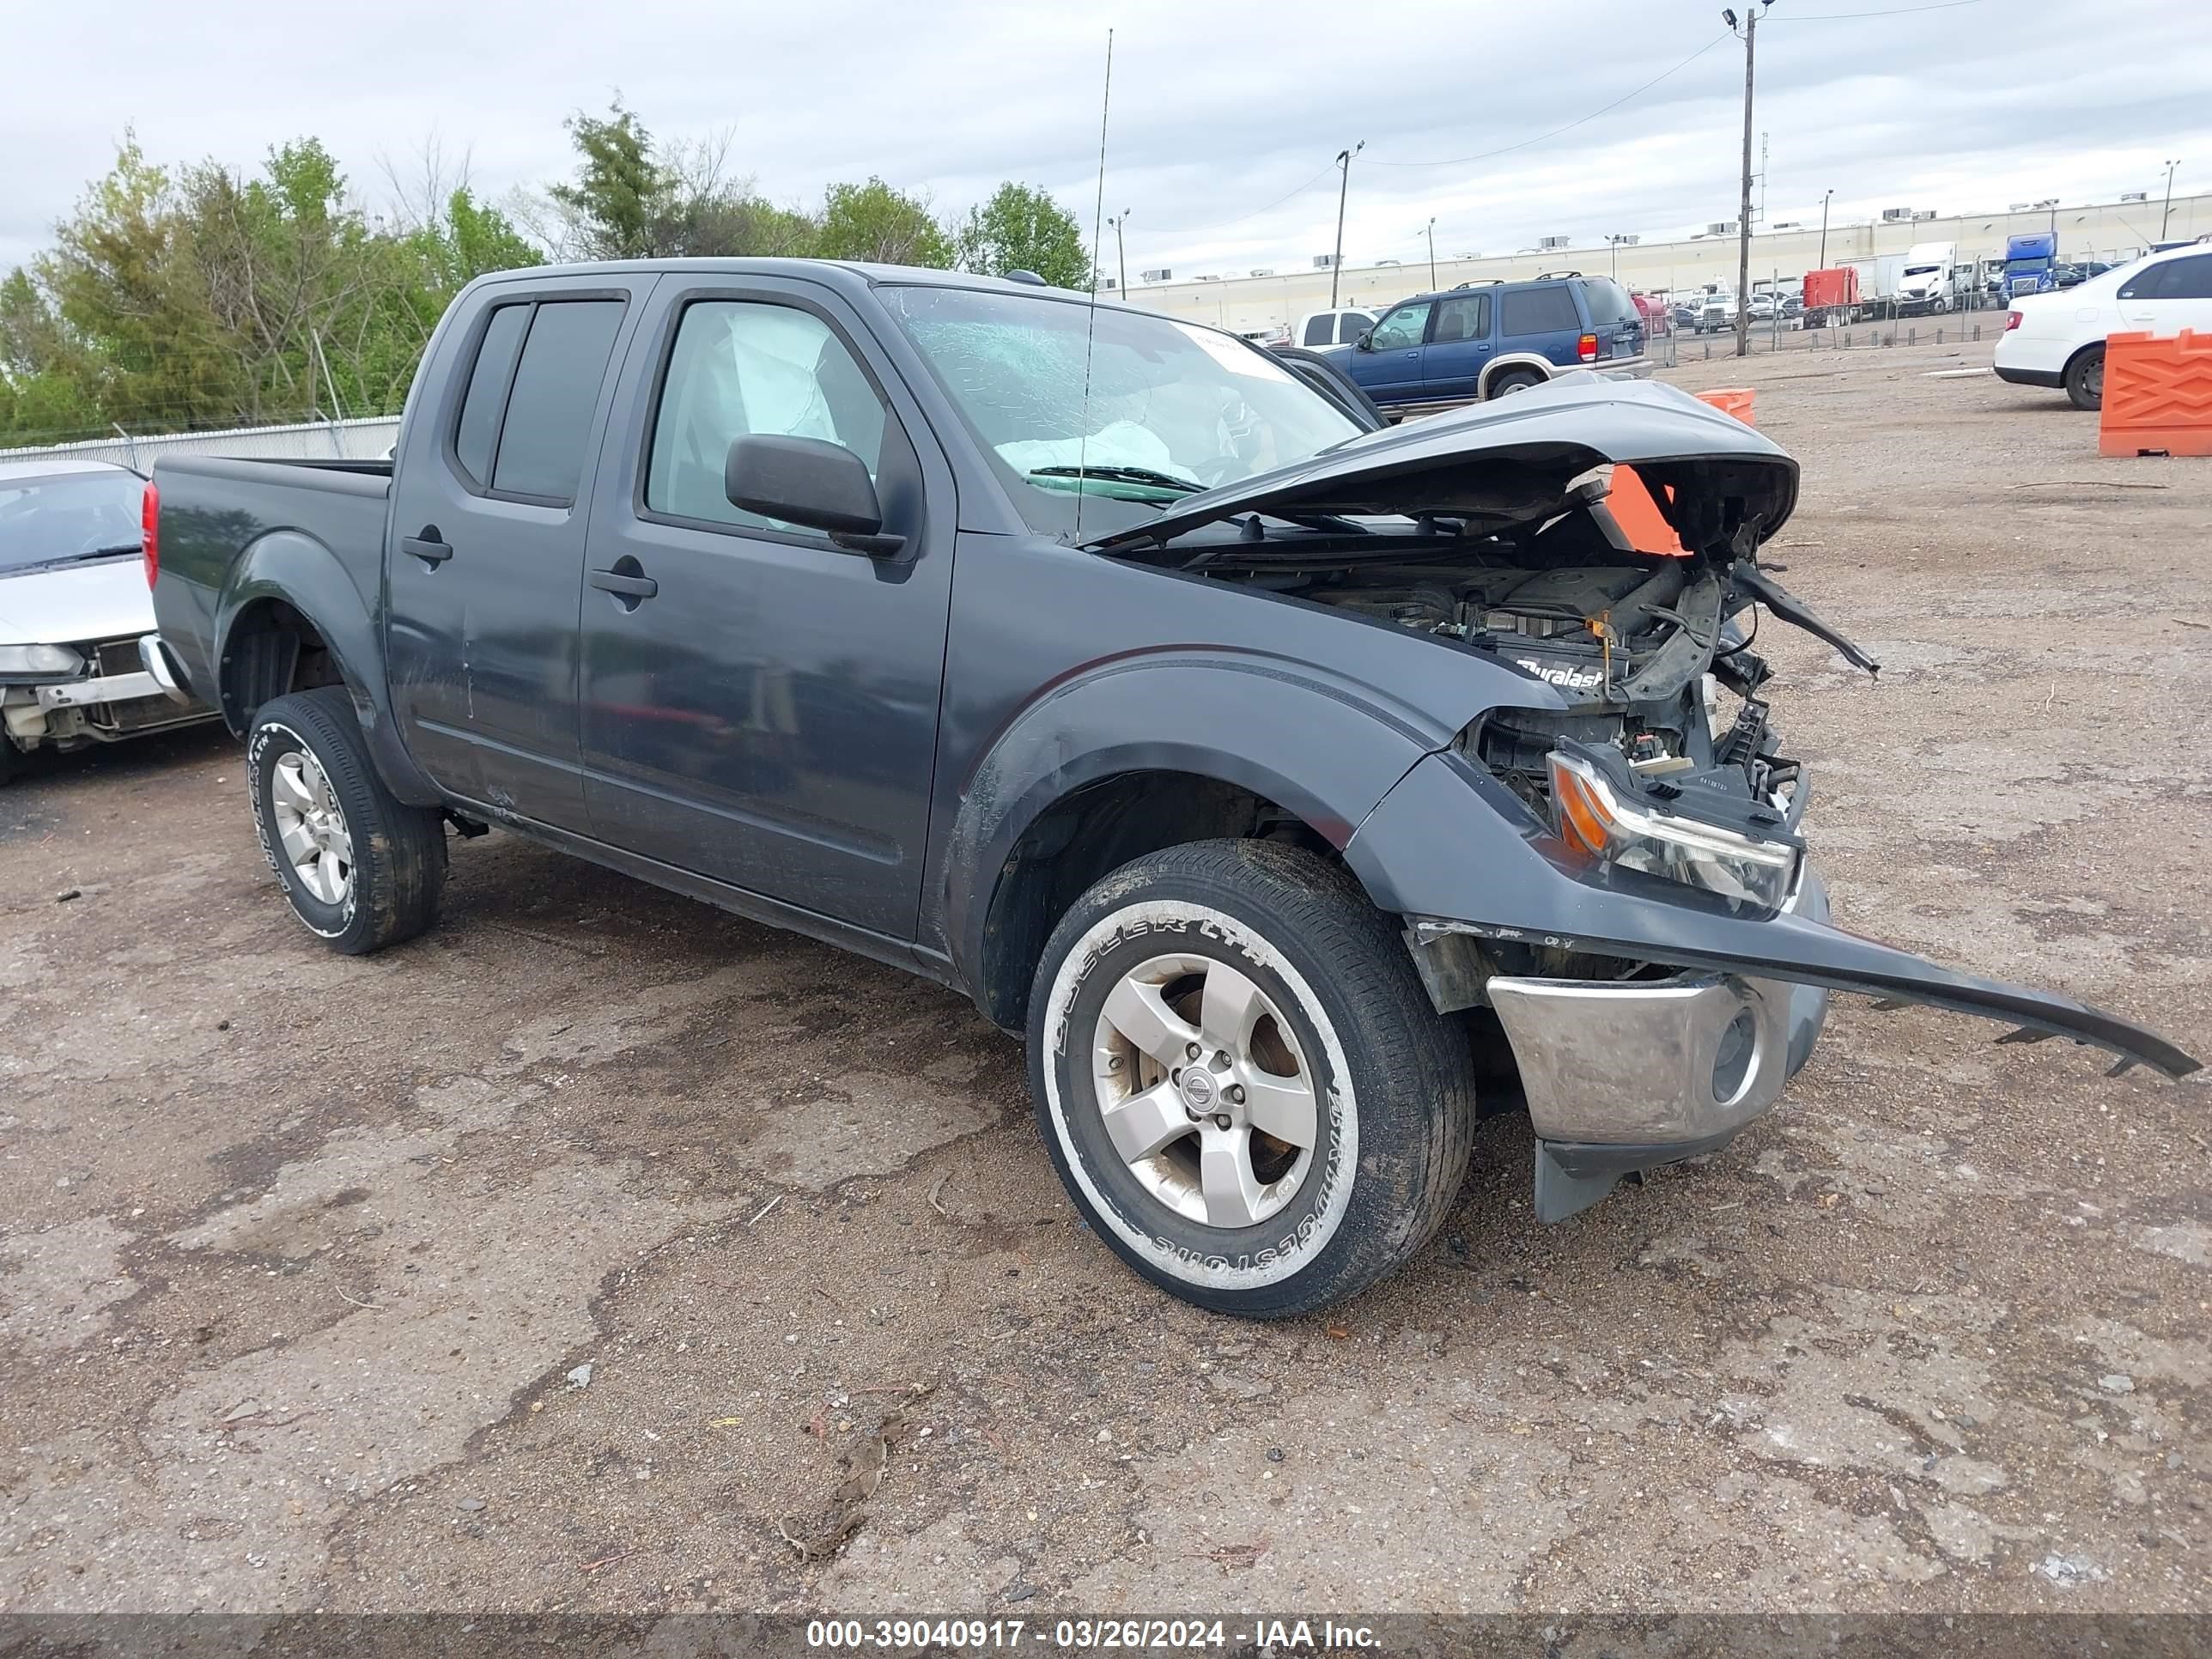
[[362, 868], [2085, 378], [1317, 1137]]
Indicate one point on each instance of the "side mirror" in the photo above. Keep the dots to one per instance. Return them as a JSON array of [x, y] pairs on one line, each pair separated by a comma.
[[810, 481], [1365, 342]]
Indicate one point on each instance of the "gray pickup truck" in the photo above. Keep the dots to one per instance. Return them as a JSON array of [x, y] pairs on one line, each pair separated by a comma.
[[1299, 789]]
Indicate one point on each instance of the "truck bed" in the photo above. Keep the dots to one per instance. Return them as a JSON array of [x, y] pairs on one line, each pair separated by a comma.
[[215, 512]]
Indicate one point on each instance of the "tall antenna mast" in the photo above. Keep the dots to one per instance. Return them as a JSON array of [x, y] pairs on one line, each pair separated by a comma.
[[1090, 327]]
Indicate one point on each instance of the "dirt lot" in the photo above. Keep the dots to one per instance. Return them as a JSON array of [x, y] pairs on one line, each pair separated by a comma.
[[303, 1257]]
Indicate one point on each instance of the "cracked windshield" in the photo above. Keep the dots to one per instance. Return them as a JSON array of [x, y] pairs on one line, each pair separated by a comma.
[[1172, 408]]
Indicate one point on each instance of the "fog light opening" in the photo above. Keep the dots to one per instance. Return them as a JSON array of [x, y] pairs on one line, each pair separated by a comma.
[[1733, 1058]]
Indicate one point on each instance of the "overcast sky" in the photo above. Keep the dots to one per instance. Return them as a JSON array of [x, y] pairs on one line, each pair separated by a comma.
[[1221, 109]]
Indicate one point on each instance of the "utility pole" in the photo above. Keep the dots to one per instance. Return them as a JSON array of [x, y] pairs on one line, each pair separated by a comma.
[[1343, 189], [1121, 257], [2167, 215], [1751, 14], [1432, 253], [1823, 227]]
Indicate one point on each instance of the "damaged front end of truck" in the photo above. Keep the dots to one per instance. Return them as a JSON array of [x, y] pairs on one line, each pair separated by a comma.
[[1615, 867]]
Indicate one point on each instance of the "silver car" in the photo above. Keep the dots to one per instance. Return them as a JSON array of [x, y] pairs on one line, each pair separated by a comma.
[[73, 604]]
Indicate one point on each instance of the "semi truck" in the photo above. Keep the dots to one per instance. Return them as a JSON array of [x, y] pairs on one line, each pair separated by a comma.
[[1928, 280], [2030, 261]]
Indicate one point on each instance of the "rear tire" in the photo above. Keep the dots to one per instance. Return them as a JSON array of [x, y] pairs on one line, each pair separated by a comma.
[[1309, 1020], [2085, 378], [362, 868], [1509, 381]]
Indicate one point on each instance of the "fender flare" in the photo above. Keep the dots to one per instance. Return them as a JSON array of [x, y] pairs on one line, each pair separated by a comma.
[[302, 572], [1542, 365], [1324, 750]]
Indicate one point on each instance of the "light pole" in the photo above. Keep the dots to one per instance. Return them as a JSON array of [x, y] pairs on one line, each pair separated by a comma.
[[1751, 17], [1615, 239], [1823, 227], [1121, 258], [2052, 203], [2168, 213], [1432, 253], [1344, 189]]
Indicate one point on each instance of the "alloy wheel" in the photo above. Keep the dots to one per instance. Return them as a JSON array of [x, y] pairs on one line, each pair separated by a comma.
[[1204, 1090]]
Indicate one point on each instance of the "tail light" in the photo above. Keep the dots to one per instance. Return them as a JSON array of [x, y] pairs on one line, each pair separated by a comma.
[[1586, 348], [149, 523], [2012, 321]]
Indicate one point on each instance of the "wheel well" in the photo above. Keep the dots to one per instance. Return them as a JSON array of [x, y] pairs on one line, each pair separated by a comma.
[[2081, 351], [1097, 830], [271, 649], [1496, 372]]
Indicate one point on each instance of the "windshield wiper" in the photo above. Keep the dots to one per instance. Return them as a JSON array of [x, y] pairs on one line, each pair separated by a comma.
[[1136, 475]]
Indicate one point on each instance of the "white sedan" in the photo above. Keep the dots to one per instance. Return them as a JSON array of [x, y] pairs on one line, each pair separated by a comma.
[[74, 606], [2058, 339]]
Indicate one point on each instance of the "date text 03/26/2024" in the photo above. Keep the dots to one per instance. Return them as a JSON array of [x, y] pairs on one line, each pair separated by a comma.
[[1083, 1634]]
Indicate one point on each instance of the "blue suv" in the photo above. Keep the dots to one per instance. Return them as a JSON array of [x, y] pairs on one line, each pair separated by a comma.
[[1488, 339]]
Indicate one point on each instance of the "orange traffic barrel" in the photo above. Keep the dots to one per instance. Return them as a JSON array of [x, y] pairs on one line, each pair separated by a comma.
[[1731, 400], [2158, 395]]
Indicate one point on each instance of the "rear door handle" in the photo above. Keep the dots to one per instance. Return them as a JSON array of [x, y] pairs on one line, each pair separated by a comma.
[[632, 587], [429, 550]]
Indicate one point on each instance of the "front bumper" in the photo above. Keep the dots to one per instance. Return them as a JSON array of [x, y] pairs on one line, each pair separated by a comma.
[[1620, 1078], [118, 702]]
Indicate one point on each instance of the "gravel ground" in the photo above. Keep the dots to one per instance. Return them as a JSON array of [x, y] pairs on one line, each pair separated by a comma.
[[555, 1261]]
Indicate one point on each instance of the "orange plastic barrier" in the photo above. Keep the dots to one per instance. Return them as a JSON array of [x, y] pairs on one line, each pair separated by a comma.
[[1646, 527], [1639, 517], [1734, 400], [2158, 395]]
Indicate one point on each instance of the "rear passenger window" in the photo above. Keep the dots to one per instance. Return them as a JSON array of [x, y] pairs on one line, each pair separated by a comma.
[[557, 393], [1317, 329], [1464, 319], [486, 397], [2188, 279], [1536, 311]]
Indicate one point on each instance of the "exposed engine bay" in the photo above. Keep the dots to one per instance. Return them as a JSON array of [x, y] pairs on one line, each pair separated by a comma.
[[1490, 530], [1642, 651]]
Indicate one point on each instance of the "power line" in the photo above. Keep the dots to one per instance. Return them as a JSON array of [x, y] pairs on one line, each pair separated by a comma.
[[1461, 161], [1853, 16], [1192, 230]]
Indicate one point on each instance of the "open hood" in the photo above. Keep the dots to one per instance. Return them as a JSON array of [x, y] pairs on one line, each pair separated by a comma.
[[1499, 466]]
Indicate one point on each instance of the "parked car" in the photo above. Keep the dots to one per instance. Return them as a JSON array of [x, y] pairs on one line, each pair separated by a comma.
[[1257, 764], [2058, 340], [1490, 340], [1319, 329], [1715, 312], [1684, 314], [73, 607], [1275, 334]]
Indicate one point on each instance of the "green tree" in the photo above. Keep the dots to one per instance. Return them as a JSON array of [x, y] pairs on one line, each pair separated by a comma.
[[204, 297], [1023, 229], [634, 197], [876, 223], [617, 201]]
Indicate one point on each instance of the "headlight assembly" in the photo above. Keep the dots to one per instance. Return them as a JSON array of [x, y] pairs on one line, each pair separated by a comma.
[[1590, 814], [57, 660]]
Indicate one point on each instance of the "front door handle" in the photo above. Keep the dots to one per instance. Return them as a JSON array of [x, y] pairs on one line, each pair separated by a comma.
[[427, 547]]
